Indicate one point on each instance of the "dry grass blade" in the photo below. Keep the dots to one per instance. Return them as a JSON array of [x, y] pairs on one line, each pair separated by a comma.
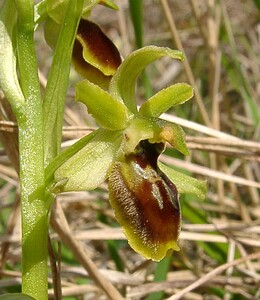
[[187, 67], [208, 172], [194, 235], [198, 127], [59, 223], [220, 40], [212, 274], [223, 143]]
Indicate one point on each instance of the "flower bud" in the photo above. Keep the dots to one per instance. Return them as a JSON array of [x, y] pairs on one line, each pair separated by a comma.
[[95, 56]]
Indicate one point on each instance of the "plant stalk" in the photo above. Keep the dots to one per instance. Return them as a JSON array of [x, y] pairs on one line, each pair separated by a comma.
[[32, 179]]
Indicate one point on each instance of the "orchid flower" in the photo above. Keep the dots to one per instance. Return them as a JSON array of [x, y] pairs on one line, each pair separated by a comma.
[[143, 192]]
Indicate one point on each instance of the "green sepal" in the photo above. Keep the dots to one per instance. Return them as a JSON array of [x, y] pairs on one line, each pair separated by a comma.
[[122, 85], [9, 82], [65, 155], [156, 131], [184, 183], [107, 111], [165, 99], [88, 167]]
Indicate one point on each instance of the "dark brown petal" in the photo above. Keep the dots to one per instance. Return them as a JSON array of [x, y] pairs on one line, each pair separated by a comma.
[[145, 203]]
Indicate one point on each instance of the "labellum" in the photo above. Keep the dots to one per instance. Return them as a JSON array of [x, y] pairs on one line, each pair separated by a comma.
[[145, 202]]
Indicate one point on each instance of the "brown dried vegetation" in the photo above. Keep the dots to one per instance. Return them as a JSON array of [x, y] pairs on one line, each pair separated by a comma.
[[220, 239]]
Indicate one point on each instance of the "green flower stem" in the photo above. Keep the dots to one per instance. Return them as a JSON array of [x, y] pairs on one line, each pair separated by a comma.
[[30, 123], [56, 89]]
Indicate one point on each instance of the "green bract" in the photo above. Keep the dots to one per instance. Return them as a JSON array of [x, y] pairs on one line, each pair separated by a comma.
[[8, 79], [88, 167], [125, 150]]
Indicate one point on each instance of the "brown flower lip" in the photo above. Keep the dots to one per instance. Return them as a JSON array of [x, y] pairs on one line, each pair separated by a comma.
[[145, 202]]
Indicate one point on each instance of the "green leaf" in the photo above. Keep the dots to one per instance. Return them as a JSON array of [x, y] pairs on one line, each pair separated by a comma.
[[184, 183], [123, 82], [56, 89], [16, 296], [165, 99], [88, 168], [114, 248], [8, 79], [257, 3], [160, 274], [40, 13], [107, 111], [137, 20], [136, 12]]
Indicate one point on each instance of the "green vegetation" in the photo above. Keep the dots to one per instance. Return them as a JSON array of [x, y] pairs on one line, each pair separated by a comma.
[[64, 147]]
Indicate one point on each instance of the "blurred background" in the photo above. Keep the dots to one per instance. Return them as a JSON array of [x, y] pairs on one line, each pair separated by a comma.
[[221, 42]]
